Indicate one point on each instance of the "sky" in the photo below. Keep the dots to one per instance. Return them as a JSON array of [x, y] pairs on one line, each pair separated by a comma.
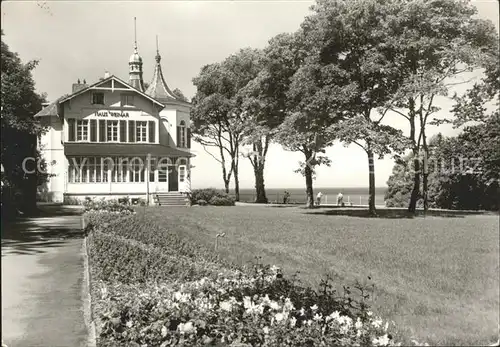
[[84, 39]]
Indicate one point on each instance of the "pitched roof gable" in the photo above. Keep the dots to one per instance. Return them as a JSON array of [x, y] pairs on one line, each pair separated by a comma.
[[52, 109], [105, 82]]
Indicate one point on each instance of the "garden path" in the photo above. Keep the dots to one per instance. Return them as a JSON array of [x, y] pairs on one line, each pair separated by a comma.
[[42, 280]]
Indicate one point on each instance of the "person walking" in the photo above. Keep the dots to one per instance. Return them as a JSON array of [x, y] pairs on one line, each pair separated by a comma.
[[340, 199], [318, 198]]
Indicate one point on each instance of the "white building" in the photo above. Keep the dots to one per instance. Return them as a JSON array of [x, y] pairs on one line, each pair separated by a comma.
[[114, 139]]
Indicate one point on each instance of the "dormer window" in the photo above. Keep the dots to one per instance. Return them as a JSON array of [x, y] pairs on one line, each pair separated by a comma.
[[97, 98], [127, 100]]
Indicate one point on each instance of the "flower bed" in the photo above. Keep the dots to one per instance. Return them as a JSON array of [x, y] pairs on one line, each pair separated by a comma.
[[153, 288]]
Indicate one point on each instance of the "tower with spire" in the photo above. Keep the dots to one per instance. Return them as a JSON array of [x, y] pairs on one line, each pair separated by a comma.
[[158, 88], [135, 65]]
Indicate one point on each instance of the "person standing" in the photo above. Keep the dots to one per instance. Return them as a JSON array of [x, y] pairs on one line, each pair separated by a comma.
[[340, 199], [318, 198]]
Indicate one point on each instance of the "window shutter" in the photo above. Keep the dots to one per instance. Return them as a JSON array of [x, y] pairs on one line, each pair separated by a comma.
[[123, 131], [188, 131], [93, 130], [131, 131], [71, 129], [178, 136], [152, 131], [102, 130]]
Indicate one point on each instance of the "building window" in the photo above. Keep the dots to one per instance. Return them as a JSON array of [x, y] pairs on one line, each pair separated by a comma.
[[98, 170], [141, 131], [151, 169], [127, 100], [112, 130], [82, 130], [107, 164], [181, 135], [97, 98], [162, 170], [137, 171]]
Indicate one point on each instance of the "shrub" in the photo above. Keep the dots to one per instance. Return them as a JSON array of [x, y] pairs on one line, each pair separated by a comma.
[[124, 200], [201, 202], [139, 202], [207, 194], [69, 200], [107, 206], [222, 201]]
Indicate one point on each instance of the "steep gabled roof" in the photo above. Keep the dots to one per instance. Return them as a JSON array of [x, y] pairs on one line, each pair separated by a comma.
[[106, 80], [158, 88], [53, 109]]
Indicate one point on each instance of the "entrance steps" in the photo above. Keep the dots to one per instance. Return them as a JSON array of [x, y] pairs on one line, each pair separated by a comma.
[[171, 199]]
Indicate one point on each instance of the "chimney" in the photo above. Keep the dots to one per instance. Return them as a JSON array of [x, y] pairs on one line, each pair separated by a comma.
[[78, 86], [106, 74]]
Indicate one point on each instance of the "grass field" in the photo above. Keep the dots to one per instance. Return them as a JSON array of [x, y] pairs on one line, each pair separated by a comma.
[[437, 278]]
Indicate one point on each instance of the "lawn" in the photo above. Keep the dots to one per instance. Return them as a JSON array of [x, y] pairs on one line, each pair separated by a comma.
[[437, 278]]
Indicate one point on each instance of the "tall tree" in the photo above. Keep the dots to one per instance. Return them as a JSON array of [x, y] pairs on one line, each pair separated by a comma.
[[356, 74], [265, 100], [309, 109], [19, 104], [435, 43], [220, 118]]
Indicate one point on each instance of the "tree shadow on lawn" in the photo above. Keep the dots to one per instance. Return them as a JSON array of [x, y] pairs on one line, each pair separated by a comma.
[[392, 213]]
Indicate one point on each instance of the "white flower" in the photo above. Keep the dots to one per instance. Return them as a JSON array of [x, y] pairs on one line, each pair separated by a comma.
[[293, 321], [314, 307], [266, 330], [369, 313], [345, 320], [288, 304], [317, 317], [247, 302], [129, 324], [381, 341], [274, 305], [164, 331], [302, 312], [309, 322], [377, 323], [279, 317], [186, 328], [358, 324], [335, 315], [226, 306]]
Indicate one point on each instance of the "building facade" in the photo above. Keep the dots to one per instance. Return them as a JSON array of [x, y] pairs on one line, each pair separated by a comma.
[[113, 139]]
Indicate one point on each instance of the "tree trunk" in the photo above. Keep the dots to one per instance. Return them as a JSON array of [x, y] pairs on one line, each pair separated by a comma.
[[236, 182], [259, 184], [371, 190], [416, 162], [226, 185], [416, 185], [425, 170], [425, 187], [309, 187]]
